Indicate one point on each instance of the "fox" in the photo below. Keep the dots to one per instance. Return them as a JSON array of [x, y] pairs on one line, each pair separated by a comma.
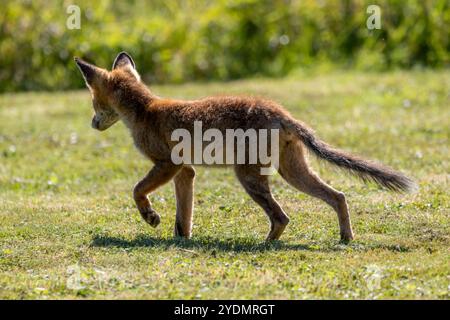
[[120, 94]]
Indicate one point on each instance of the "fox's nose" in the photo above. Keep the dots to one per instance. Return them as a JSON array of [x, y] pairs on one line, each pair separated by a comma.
[[95, 123]]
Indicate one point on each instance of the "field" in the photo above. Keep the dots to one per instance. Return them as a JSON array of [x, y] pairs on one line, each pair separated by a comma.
[[69, 228]]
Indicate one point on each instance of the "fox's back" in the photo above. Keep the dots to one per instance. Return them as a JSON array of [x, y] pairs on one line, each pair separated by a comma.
[[220, 112]]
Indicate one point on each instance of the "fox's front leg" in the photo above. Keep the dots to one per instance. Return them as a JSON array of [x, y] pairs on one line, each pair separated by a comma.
[[184, 191], [161, 173]]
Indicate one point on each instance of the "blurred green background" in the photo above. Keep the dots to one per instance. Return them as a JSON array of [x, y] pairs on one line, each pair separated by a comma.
[[177, 41]]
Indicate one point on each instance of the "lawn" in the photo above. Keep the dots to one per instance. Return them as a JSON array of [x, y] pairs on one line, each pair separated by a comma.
[[69, 227]]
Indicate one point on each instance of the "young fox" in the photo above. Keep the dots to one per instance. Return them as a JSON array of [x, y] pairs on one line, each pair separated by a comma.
[[120, 95]]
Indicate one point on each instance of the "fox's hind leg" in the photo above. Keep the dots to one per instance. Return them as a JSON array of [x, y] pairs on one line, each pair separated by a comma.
[[160, 174], [257, 186], [184, 191], [294, 169]]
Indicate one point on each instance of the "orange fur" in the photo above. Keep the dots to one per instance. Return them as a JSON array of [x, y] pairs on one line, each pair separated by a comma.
[[120, 95]]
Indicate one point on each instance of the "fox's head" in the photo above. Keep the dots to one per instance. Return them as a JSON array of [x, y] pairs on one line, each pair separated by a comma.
[[106, 86]]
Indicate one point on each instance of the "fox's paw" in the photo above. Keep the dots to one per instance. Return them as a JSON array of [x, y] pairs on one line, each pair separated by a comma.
[[179, 232], [152, 218], [347, 236]]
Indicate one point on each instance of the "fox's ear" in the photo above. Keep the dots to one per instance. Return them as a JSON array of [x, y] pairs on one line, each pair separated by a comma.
[[88, 70], [123, 60]]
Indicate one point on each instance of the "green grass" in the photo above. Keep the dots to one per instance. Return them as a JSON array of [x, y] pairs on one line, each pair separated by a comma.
[[66, 207]]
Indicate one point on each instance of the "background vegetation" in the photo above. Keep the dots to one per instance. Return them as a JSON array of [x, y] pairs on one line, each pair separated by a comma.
[[174, 40]]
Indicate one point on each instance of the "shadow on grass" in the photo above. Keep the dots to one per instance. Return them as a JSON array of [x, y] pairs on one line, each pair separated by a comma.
[[203, 243], [233, 245]]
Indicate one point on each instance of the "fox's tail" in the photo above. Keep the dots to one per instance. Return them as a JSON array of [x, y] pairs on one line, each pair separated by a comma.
[[365, 169]]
